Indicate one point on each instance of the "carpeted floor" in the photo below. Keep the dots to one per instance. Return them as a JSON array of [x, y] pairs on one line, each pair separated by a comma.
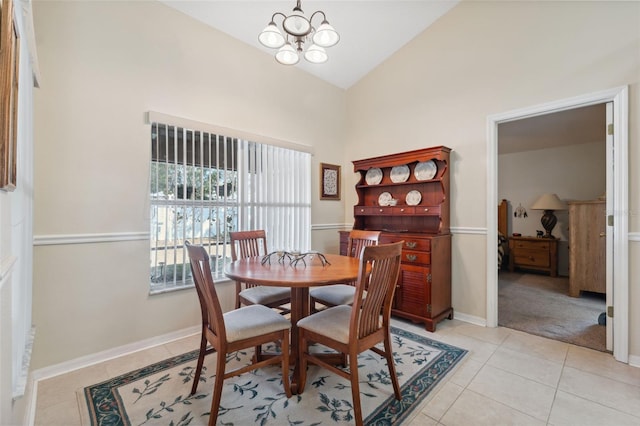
[[158, 394], [540, 305]]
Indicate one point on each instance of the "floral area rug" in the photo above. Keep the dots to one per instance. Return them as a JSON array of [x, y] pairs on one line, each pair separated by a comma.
[[159, 393]]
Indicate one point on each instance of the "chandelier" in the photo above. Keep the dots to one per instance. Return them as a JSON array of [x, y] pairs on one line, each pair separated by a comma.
[[299, 32]]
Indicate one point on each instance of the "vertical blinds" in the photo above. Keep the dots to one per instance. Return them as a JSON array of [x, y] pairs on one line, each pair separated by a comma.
[[204, 186], [276, 194]]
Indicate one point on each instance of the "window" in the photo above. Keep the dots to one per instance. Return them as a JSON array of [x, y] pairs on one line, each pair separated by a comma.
[[203, 186]]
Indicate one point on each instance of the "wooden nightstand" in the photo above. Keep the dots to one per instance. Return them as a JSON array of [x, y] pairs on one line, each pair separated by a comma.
[[539, 254]]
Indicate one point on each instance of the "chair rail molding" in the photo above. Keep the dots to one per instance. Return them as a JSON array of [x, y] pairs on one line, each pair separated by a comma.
[[329, 226], [65, 239]]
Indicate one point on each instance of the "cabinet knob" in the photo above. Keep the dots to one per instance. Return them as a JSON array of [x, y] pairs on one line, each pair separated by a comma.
[[603, 234], [401, 210], [381, 210], [426, 210]]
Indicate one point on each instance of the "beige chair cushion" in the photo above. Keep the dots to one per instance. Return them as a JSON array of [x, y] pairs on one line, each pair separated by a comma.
[[264, 295], [251, 321], [333, 322], [338, 294]]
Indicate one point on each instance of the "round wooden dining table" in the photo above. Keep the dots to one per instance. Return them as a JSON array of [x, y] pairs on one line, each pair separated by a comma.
[[280, 272]]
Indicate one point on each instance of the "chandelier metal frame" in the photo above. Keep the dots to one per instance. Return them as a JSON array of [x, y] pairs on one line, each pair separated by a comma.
[[299, 32]]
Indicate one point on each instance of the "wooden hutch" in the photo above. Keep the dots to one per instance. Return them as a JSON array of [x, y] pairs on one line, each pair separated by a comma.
[[418, 181]]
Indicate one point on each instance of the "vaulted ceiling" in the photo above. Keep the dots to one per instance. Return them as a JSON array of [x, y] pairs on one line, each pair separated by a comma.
[[370, 32]]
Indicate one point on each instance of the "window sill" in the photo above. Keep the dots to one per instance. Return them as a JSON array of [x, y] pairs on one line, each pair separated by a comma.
[[153, 292]]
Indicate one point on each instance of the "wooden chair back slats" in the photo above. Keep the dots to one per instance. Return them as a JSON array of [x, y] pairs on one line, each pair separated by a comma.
[[247, 244], [358, 239], [207, 295], [380, 284]]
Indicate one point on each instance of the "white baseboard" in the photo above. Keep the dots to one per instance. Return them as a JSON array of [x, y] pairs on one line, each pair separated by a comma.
[[482, 322], [88, 360], [634, 361]]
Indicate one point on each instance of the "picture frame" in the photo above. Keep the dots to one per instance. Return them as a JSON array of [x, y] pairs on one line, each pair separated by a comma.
[[9, 75], [329, 181]]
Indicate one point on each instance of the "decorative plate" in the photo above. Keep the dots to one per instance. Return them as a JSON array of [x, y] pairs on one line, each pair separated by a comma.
[[413, 198], [400, 174], [373, 176], [425, 170], [385, 199]]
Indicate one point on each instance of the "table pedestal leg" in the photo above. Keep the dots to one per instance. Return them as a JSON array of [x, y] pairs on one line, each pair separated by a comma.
[[299, 310]]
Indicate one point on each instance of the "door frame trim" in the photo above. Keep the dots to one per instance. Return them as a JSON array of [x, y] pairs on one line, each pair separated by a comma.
[[620, 98]]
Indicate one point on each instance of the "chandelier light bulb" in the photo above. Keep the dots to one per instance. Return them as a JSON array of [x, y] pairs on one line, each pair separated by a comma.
[[287, 55]]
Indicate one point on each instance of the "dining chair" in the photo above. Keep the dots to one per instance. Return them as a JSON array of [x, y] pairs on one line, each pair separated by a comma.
[[354, 329], [249, 326], [342, 294], [254, 243]]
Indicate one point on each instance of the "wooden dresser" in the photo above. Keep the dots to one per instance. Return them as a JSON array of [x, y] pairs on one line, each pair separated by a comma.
[[538, 254], [587, 247], [419, 182]]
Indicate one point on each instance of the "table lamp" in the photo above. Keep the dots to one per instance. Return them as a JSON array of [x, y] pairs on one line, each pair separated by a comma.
[[549, 203]]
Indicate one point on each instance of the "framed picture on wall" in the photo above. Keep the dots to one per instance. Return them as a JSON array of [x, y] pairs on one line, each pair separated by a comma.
[[329, 182], [9, 63]]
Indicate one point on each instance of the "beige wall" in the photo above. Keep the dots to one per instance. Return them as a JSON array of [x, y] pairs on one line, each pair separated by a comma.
[[103, 65], [485, 58]]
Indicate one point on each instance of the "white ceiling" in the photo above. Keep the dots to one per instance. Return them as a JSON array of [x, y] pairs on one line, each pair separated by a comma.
[[370, 31], [571, 127]]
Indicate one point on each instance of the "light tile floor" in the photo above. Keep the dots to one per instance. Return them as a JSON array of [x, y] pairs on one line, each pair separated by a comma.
[[508, 378]]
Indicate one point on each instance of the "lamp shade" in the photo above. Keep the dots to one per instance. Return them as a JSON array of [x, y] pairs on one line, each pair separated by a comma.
[[271, 37], [549, 202], [316, 54], [287, 55], [326, 35]]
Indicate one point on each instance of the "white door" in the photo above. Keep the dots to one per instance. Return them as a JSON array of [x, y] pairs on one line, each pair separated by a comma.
[[609, 229]]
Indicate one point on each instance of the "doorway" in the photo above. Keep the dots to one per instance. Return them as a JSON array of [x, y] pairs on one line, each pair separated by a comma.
[[561, 153], [617, 220]]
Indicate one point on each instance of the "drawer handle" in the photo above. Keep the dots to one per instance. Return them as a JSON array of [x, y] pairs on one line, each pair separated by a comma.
[[381, 210], [411, 244], [401, 210], [412, 257], [603, 234], [361, 210], [426, 210]]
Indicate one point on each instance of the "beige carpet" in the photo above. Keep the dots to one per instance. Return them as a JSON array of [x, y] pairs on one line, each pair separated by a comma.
[[540, 305]]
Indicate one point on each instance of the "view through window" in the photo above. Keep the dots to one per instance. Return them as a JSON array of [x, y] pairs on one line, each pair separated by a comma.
[[203, 186]]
